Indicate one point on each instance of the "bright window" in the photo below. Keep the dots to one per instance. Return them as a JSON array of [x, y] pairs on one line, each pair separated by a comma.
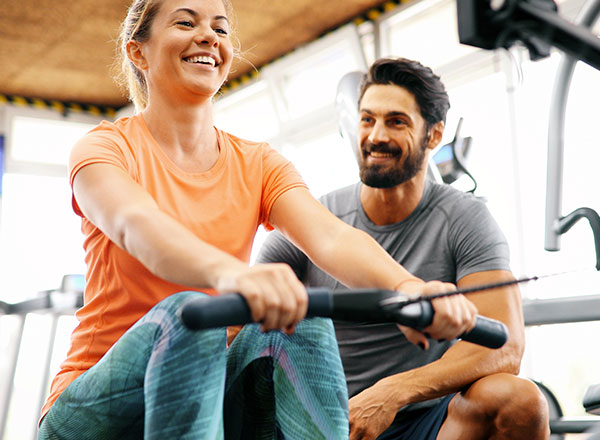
[[43, 140], [248, 113], [306, 80], [311, 83], [425, 31], [40, 241], [326, 163], [40, 238]]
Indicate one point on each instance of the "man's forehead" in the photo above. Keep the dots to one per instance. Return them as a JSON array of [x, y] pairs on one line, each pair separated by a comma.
[[388, 98]]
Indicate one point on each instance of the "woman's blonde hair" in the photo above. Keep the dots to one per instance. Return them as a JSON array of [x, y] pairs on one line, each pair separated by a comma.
[[137, 26]]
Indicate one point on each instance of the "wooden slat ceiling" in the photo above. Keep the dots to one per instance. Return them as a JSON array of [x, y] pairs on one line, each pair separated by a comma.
[[63, 49]]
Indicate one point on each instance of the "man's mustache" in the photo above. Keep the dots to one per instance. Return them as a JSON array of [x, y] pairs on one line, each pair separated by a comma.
[[381, 147]]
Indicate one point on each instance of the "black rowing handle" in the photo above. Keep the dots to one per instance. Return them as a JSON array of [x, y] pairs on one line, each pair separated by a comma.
[[356, 305]]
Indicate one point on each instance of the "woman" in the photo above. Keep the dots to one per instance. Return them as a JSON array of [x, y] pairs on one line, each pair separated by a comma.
[[169, 208]]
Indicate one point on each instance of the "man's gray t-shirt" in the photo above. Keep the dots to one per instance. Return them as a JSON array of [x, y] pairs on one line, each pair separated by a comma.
[[449, 235]]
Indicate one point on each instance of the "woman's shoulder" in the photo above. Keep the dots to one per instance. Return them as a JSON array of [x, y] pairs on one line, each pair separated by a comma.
[[240, 142], [119, 128], [121, 140], [249, 151]]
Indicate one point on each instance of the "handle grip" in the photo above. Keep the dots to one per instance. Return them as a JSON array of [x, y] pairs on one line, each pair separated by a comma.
[[232, 309], [487, 332]]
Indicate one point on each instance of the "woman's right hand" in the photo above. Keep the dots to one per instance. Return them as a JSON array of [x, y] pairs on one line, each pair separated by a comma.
[[277, 299]]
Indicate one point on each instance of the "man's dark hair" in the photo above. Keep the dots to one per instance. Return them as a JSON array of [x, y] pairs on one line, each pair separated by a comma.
[[426, 86]]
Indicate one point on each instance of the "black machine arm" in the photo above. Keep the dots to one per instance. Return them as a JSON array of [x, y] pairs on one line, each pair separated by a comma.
[[357, 305], [565, 223], [493, 24]]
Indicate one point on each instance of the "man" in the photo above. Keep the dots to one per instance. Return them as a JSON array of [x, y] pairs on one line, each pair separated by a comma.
[[442, 390]]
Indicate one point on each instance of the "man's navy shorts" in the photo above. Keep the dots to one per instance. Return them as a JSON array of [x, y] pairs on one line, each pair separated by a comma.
[[424, 426]]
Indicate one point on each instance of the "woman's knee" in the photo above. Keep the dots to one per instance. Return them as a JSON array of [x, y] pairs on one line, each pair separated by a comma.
[[313, 332], [312, 343], [170, 339]]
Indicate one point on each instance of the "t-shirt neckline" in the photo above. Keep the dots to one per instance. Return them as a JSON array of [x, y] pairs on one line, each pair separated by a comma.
[[215, 170], [369, 224]]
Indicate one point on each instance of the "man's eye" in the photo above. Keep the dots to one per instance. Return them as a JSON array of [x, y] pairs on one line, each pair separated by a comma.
[[397, 122]]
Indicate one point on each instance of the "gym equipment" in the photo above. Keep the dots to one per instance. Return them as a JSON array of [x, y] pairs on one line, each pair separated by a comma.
[[491, 24], [555, 224], [562, 311], [358, 305], [62, 301], [449, 159]]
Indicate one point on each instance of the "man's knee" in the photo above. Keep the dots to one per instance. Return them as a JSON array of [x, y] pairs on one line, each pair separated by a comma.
[[508, 398]]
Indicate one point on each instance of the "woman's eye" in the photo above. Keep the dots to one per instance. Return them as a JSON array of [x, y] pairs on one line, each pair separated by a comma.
[[221, 31], [186, 23]]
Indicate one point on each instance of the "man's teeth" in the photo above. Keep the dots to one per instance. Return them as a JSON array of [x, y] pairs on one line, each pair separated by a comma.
[[380, 155], [202, 59]]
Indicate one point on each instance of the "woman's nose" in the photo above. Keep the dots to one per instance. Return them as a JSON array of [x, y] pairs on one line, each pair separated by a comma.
[[206, 35]]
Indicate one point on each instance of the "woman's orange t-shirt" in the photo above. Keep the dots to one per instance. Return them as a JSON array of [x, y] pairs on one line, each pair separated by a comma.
[[223, 206]]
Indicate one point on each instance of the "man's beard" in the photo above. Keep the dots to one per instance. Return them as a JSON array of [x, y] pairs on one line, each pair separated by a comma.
[[382, 176]]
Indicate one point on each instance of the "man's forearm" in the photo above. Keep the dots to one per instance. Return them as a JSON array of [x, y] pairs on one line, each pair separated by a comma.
[[464, 363], [461, 365]]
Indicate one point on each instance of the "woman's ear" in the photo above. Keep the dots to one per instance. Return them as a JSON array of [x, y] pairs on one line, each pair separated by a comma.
[[135, 55], [435, 135]]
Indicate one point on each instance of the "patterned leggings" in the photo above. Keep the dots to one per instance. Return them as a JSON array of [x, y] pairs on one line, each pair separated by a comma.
[[163, 381]]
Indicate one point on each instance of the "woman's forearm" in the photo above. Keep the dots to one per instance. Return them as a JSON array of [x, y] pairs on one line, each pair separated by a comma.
[[357, 260], [172, 252]]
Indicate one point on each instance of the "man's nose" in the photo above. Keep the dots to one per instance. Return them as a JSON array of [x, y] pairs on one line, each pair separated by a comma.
[[379, 133]]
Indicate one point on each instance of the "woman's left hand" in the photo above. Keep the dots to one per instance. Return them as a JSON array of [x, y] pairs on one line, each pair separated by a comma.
[[453, 315]]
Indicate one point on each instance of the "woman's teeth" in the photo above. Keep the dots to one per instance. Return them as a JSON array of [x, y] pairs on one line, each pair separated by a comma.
[[202, 60]]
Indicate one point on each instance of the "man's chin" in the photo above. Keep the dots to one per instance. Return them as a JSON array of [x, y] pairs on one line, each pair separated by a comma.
[[379, 182]]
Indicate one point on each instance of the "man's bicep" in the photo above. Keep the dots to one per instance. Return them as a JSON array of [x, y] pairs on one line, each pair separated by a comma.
[[277, 249], [503, 304], [478, 243]]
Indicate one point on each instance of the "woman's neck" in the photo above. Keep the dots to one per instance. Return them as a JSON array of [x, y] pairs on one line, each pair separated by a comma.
[[185, 133]]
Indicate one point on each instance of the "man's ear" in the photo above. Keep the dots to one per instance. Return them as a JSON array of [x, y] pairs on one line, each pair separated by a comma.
[[435, 135], [135, 55]]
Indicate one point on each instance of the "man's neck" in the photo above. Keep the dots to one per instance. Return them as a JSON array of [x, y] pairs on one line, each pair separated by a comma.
[[386, 206]]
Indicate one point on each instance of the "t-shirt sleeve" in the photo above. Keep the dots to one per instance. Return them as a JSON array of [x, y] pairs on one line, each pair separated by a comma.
[[277, 249], [101, 145], [279, 176], [477, 240]]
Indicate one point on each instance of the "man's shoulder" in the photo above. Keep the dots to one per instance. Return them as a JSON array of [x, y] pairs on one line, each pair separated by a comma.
[[446, 192], [451, 200]]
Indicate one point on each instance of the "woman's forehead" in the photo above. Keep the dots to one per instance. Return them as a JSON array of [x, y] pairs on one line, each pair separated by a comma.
[[216, 7]]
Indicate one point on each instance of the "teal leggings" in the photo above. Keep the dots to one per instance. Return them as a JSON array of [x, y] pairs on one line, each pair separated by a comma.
[[163, 381]]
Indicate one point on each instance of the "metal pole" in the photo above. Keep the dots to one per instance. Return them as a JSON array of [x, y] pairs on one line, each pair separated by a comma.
[[11, 376], [46, 370], [554, 175]]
